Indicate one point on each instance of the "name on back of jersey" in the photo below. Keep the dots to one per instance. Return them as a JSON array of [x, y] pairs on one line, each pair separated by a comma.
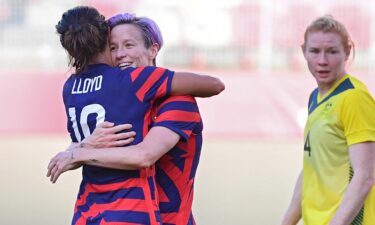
[[86, 85]]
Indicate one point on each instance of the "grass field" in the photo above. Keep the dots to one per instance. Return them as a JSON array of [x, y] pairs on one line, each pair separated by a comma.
[[241, 182]]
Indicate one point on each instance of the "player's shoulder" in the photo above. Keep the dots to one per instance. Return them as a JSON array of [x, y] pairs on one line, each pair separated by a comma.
[[357, 95], [69, 81], [313, 96], [356, 88]]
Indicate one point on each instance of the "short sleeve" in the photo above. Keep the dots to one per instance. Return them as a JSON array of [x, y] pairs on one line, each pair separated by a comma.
[[358, 117], [151, 83], [66, 93], [179, 114]]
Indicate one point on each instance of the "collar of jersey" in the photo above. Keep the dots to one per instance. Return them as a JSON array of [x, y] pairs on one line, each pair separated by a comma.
[[319, 99], [339, 87]]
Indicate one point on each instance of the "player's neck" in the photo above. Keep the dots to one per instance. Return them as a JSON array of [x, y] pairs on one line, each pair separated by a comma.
[[103, 57]]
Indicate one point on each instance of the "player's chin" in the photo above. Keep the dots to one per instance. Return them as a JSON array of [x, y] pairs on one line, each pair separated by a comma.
[[322, 77]]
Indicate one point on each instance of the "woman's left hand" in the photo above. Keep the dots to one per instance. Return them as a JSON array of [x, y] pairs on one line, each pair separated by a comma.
[[107, 135], [61, 163]]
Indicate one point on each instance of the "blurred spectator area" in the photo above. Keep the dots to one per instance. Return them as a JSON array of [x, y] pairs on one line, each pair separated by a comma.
[[239, 34]]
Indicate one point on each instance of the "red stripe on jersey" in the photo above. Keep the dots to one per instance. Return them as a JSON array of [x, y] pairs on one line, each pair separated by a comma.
[[163, 197], [187, 132], [183, 116], [152, 205], [135, 74], [146, 122], [147, 205], [162, 89], [182, 181], [170, 218], [180, 218], [120, 223], [90, 188], [119, 204], [151, 80]]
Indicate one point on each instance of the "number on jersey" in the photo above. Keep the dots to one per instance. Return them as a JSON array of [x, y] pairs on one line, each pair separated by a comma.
[[86, 111], [307, 144]]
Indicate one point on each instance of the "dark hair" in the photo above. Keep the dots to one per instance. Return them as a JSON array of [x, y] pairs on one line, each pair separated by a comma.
[[84, 34], [149, 29]]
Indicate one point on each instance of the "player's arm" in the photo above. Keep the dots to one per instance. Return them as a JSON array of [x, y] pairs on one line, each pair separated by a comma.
[[150, 83], [105, 135], [185, 83], [359, 127], [156, 143], [294, 212], [362, 157], [63, 156], [108, 135]]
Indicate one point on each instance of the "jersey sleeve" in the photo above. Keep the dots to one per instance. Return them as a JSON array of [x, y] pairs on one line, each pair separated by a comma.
[[65, 94], [358, 117], [150, 83], [179, 114]]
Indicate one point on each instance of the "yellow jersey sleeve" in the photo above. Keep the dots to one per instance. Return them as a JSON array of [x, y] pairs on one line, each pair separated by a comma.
[[358, 117]]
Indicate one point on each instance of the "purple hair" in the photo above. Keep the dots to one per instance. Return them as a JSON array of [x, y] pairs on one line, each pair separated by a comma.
[[150, 30]]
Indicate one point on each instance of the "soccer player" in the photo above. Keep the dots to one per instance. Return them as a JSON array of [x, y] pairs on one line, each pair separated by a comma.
[[336, 185], [98, 92], [176, 119], [176, 167]]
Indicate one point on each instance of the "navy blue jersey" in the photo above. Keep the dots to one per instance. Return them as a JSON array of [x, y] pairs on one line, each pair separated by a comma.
[[103, 93]]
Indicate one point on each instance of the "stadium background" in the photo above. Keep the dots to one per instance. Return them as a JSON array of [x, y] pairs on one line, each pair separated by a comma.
[[253, 131]]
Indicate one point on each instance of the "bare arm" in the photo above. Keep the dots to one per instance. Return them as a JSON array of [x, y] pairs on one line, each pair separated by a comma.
[[294, 212], [156, 143], [185, 83], [72, 146], [66, 156], [108, 135], [105, 135], [362, 157]]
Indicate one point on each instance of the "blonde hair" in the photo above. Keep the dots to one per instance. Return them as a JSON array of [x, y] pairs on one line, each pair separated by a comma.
[[328, 24]]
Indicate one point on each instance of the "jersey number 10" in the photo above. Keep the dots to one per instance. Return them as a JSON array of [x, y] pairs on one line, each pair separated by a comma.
[[86, 111]]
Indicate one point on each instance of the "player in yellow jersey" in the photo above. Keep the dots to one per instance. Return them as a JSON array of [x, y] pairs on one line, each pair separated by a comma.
[[336, 185]]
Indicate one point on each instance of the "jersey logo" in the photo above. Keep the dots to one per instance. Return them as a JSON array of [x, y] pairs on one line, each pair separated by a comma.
[[345, 85], [327, 107]]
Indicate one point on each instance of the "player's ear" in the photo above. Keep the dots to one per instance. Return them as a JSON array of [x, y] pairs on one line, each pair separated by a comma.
[[154, 49]]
